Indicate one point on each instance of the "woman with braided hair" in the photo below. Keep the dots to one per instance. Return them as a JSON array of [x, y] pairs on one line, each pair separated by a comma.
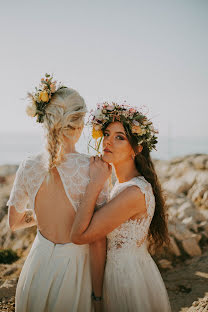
[[56, 275], [135, 217]]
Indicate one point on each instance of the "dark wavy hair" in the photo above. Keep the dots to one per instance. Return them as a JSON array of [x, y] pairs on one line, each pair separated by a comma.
[[158, 231]]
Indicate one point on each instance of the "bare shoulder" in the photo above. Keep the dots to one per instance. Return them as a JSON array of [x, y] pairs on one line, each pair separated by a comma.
[[131, 197], [132, 193]]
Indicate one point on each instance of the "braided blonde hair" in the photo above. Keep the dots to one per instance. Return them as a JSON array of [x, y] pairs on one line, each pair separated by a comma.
[[64, 116]]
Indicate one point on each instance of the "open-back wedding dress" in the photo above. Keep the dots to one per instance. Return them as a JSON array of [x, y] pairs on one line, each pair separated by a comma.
[[54, 277]]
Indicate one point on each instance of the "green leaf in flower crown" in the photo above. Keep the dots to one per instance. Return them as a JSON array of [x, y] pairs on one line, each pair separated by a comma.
[[47, 75], [39, 112], [99, 143], [88, 146]]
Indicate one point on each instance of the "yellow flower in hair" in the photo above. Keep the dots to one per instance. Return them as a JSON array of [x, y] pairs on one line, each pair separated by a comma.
[[43, 96], [96, 134]]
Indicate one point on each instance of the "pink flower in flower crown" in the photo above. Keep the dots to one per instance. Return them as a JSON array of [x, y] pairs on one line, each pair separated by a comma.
[[53, 87], [110, 107], [132, 110]]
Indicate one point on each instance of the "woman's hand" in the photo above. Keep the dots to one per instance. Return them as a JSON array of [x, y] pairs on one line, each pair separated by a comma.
[[100, 171]]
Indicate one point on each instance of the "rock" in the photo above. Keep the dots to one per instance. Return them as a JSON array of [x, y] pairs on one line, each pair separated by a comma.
[[2, 180], [172, 211], [200, 305], [180, 200], [190, 177], [203, 225], [190, 223], [10, 271], [199, 216], [186, 210], [199, 162], [179, 231], [172, 219], [162, 168], [191, 247], [205, 199], [180, 183], [165, 264], [204, 213], [202, 177], [6, 170], [176, 186], [8, 288], [197, 192], [170, 202], [177, 171], [174, 247]]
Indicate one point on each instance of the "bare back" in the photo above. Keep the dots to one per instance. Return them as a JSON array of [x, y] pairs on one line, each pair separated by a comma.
[[54, 203], [55, 213]]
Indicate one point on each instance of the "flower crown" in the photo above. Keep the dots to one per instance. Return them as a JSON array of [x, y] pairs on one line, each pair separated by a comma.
[[42, 96], [140, 126]]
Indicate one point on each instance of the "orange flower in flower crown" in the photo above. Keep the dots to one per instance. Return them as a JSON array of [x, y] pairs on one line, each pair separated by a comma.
[[96, 134]]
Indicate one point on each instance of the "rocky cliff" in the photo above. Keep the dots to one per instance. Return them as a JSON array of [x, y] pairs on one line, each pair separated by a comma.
[[183, 264]]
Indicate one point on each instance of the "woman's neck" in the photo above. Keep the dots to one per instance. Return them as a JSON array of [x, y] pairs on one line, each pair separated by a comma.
[[69, 148], [125, 171]]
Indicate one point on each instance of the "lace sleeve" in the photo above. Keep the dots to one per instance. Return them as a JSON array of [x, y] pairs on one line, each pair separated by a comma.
[[19, 196], [103, 196]]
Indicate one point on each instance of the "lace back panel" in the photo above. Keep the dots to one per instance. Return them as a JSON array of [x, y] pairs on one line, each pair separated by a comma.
[[74, 173]]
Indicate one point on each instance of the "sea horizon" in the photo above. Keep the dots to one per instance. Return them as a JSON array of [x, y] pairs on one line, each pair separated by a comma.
[[16, 146]]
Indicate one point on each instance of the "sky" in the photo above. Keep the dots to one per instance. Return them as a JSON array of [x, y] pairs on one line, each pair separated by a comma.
[[149, 53]]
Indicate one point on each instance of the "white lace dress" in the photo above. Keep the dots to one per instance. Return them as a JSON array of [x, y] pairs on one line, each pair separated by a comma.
[[55, 277], [132, 280]]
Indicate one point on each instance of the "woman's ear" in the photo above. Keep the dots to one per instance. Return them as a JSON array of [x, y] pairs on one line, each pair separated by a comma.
[[140, 148]]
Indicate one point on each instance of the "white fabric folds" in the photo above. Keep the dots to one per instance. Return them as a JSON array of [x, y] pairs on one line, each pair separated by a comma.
[[54, 278]]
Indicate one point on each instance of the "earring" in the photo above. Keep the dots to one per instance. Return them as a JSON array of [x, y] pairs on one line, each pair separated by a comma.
[[132, 156]]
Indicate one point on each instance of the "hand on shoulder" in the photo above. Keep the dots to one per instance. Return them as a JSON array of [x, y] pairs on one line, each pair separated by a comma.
[[100, 171]]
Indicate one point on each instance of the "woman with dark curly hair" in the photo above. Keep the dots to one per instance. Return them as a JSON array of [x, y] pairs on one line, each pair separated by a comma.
[[133, 219]]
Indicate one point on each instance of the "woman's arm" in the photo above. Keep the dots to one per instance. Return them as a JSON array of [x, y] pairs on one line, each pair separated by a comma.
[[20, 220], [88, 227], [19, 216], [97, 264]]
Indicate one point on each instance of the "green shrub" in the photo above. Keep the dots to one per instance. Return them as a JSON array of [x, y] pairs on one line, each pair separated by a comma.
[[8, 256]]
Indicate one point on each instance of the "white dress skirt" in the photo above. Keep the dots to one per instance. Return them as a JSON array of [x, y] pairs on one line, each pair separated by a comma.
[[133, 283], [132, 280], [55, 278]]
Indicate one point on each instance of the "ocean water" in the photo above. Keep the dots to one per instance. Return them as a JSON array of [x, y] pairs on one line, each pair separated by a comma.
[[16, 146]]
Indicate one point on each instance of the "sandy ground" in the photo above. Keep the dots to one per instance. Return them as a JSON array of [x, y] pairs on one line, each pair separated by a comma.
[[185, 284]]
